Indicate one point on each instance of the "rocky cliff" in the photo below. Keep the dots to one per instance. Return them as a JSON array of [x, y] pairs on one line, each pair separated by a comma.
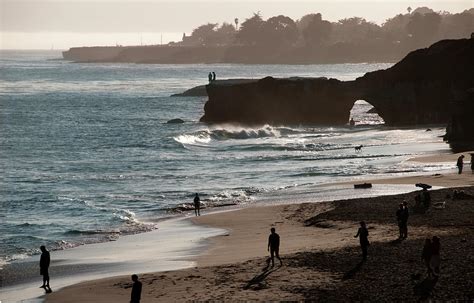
[[417, 90]]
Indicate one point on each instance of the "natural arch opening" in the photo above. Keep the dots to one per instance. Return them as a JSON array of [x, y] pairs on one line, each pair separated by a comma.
[[364, 113]]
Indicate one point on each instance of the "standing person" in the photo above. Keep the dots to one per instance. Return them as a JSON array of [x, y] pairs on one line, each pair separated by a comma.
[[45, 259], [405, 215], [136, 290], [399, 220], [426, 255], [363, 235], [435, 258], [213, 76], [460, 163], [209, 76], [197, 205], [274, 246], [472, 163]]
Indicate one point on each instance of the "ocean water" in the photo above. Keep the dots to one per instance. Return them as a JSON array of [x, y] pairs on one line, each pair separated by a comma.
[[86, 155]]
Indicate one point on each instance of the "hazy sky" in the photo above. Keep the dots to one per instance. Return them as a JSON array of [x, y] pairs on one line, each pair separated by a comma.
[[40, 24]]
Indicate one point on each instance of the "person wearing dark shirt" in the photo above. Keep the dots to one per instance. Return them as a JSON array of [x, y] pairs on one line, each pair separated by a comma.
[[363, 235], [399, 215], [209, 76], [426, 255], [460, 163], [197, 205], [274, 246], [213, 76], [44, 267], [435, 260], [405, 215], [136, 290]]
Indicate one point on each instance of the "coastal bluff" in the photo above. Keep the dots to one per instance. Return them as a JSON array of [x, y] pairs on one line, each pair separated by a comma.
[[420, 89]]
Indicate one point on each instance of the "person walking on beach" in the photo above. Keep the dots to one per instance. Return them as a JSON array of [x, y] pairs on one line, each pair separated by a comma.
[[197, 205], [426, 255], [435, 258], [404, 220], [45, 259], [363, 235], [136, 290], [209, 76], [213, 76], [274, 246], [460, 164], [399, 215]]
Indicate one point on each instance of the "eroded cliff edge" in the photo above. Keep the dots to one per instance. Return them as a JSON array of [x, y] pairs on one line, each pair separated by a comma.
[[420, 89]]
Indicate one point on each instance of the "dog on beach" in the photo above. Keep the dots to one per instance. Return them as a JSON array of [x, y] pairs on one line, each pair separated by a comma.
[[358, 148]]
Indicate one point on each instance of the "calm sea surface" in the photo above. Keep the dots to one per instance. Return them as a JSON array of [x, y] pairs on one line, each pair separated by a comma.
[[86, 154]]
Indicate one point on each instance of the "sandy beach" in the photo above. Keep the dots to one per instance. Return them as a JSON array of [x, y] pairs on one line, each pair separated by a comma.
[[321, 258]]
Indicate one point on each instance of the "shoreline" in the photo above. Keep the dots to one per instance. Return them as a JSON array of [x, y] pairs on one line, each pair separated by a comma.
[[216, 248], [308, 230]]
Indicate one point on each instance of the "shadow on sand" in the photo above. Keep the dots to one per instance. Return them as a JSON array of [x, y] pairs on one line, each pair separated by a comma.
[[351, 273], [257, 282], [424, 289]]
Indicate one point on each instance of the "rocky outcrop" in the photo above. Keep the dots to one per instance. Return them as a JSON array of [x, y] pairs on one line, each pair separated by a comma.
[[420, 88], [417, 90], [460, 129]]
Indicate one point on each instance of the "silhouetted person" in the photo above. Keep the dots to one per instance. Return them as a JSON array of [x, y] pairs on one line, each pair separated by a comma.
[[136, 290], [460, 163], [404, 220], [363, 235], [274, 246], [209, 76], [213, 76], [426, 256], [425, 198], [197, 205], [435, 258], [45, 259], [352, 122], [472, 163], [399, 220]]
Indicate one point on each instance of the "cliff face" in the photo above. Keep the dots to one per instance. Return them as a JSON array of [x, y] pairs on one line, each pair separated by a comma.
[[460, 129], [417, 90], [420, 88], [278, 101]]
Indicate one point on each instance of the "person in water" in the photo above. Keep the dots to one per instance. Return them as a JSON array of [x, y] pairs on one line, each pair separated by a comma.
[[274, 246], [363, 234], [197, 205]]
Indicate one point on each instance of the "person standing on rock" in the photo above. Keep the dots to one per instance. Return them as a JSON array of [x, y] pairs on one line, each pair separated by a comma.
[[197, 205], [460, 164], [209, 76], [363, 234]]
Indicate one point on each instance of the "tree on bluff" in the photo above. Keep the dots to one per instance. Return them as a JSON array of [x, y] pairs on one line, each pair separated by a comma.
[[314, 30], [279, 31], [250, 30], [423, 28]]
